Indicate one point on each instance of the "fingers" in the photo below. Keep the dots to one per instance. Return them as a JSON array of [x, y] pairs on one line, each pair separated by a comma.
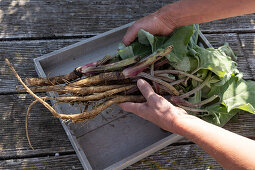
[[137, 108], [145, 88], [130, 35]]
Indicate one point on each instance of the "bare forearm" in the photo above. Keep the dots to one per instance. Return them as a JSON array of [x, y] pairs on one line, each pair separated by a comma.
[[232, 151], [187, 12]]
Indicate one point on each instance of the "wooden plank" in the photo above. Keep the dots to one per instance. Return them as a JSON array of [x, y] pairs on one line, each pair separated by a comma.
[[46, 162], [41, 18], [244, 23], [171, 157], [37, 18], [21, 54], [178, 157], [45, 131], [248, 47]]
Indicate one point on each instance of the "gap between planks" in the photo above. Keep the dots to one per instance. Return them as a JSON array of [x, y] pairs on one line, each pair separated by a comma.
[[237, 31]]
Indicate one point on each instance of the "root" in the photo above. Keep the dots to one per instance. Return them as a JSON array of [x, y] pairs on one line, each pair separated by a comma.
[[73, 90], [116, 99], [85, 115], [27, 117], [102, 77], [97, 110], [53, 80], [99, 96]]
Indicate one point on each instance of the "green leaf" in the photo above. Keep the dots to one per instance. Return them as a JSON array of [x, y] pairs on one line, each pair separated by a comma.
[[141, 50], [184, 65], [236, 94], [145, 37], [228, 51], [179, 39], [216, 61], [125, 52], [219, 115], [194, 37]]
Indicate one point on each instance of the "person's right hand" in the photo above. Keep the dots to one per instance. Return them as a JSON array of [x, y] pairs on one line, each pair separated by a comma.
[[154, 23], [157, 109]]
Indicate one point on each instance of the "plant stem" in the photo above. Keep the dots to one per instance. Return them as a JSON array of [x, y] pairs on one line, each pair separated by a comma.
[[177, 100], [143, 64], [165, 77], [105, 59], [193, 72], [176, 82], [152, 78], [112, 66], [179, 73], [192, 109], [197, 88], [206, 101]]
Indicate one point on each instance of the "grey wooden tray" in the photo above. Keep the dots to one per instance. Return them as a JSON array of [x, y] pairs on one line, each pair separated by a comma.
[[114, 139]]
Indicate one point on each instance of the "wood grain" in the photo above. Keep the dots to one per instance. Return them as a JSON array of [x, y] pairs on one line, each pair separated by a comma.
[[21, 54], [178, 157], [64, 18], [247, 43], [45, 131], [46, 162]]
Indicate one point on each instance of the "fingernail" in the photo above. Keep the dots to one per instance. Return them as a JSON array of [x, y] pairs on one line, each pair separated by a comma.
[[140, 82]]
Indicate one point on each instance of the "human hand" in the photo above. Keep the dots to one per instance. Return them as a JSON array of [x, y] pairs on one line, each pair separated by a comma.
[[154, 23], [157, 109]]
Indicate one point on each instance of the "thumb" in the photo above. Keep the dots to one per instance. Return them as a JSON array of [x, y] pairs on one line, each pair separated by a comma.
[[136, 108], [145, 88]]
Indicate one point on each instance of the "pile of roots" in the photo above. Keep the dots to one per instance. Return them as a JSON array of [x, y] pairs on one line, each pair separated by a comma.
[[114, 82]]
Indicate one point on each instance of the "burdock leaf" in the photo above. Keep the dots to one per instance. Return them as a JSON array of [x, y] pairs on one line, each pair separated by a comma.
[[218, 62], [125, 52], [219, 115], [236, 94], [145, 37], [179, 39]]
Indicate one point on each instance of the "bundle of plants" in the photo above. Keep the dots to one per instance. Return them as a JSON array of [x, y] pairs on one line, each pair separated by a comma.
[[204, 82]]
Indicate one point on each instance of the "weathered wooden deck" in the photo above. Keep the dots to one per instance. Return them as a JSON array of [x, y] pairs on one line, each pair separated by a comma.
[[31, 28]]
